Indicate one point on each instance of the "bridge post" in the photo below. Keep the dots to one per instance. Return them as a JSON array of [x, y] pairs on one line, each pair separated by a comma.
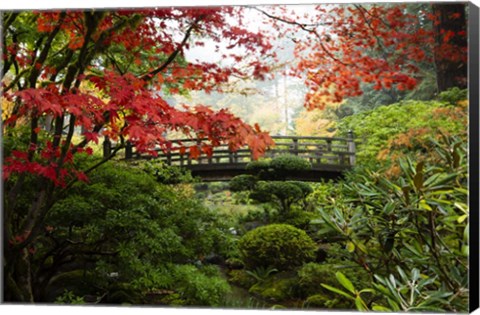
[[295, 146], [181, 159], [107, 147], [128, 150], [169, 156], [351, 147], [199, 146]]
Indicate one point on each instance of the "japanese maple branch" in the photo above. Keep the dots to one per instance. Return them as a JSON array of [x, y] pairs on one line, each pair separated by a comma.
[[171, 58], [373, 16], [44, 53], [304, 27], [374, 33], [6, 25], [114, 63]]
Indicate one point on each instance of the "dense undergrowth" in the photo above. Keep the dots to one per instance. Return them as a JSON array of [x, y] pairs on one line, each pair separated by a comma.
[[391, 236]]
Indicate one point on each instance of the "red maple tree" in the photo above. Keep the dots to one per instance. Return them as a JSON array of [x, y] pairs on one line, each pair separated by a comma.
[[341, 48], [104, 74]]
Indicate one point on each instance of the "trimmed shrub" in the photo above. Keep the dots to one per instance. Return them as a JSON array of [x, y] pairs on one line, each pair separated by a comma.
[[257, 166], [279, 246], [290, 163], [242, 183]]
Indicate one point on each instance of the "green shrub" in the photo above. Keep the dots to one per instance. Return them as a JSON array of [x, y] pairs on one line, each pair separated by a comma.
[[167, 174], [242, 183], [241, 278], [298, 218], [217, 187], [68, 297], [279, 246], [142, 225], [262, 192], [393, 222], [283, 193], [276, 288], [376, 128], [304, 187], [199, 289], [290, 163], [284, 190], [453, 95], [234, 263], [257, 166], [311, 275], [263, 215]]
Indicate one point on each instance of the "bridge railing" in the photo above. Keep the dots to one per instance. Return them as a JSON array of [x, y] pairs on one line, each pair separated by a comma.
[[317, 150]]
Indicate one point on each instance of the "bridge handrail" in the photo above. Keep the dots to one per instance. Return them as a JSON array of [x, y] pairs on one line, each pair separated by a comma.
[[325, 149], [274, 137]]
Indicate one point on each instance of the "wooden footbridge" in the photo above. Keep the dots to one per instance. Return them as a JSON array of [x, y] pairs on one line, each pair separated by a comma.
[[329, 157]]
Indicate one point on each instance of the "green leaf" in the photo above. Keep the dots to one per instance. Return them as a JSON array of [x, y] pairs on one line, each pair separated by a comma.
[[360, 304], [441, 180], [367, 290], [333, 289], [466, 233], [405, 190], [389, 208], [461, 190], [347, 284], [462, 218], [415, 274], [380, 308], [362, 247], [350, 247], [441, 192], [424, 205], [412, 249], [402, 274], [394, 305], [456, 156], [418, 178], [462, 206]]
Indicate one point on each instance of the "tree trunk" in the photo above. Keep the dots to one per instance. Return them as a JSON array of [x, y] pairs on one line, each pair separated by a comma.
[[451, 69], [18, 280]]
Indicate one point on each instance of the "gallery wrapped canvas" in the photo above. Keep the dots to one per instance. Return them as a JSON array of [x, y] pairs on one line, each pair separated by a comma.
[[317, 156]]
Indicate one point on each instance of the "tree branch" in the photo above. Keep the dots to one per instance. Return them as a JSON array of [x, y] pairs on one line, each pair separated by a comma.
[[44, 53], [171, 58], [304, 27]]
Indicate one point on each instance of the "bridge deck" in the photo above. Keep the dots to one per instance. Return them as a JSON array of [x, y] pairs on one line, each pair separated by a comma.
[[329, 157]]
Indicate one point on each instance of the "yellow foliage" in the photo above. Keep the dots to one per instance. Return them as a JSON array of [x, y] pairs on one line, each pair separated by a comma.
[[7, 108], [312, 123], [463, 103], [184, 189]]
